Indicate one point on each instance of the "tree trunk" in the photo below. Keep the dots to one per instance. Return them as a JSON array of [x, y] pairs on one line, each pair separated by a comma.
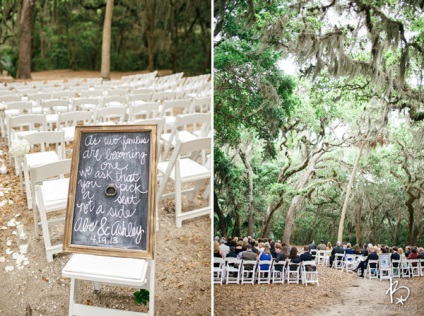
[[151, 26], [268, 219], [288, 228], [221, 218], [107, 33], [25, 40], [358, 225], [237, 222], [250, 178], [348, 190]]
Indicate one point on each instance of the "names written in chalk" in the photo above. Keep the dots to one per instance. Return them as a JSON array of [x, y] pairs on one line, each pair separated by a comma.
[[119, 220]]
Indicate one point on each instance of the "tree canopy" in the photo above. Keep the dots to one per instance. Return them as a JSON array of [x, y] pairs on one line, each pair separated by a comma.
[[346, 129]]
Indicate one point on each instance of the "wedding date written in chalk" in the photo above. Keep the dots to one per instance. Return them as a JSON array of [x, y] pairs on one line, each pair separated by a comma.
[[120, 161]]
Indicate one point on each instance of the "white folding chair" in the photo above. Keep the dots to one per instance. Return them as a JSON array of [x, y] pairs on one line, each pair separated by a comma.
[[263, 271], [278, 272], [186, 127], [338, 261], [395, 265], [51, 195], [414, 266], [170, 109], [202, 105], [248, 271], [349, 263], [184, 170], [122, 272], [218, 270], [66, 122], [309, 273], [293, 272], [232, 270], [39, 158], [372, 269], [405, 269], [384, 267]]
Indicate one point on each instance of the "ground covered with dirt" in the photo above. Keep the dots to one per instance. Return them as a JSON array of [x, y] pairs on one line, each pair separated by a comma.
[[31, 286], [338, 293]]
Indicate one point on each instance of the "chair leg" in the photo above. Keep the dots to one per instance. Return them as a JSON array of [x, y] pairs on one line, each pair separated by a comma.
[[178, 197], [72, 297]]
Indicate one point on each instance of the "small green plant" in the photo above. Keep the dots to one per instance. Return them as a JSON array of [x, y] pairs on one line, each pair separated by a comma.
[[142, 296]]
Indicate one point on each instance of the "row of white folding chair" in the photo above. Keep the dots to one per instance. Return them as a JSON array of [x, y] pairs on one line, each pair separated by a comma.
[[50, 189], [233, 270]]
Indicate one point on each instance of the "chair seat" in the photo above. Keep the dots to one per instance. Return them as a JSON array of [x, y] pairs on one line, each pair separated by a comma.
[[114, 270], [190, 170], [55, 193]]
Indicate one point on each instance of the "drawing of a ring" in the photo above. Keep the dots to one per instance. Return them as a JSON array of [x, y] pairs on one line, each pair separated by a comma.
[[111, 190]]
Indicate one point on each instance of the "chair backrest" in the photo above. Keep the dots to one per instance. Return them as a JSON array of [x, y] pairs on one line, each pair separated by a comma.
[[139, 97], [159, 121], [55, 106], [163, 96], [109, 114], [183, 148], [35, 122], [201, 104], [49, 170], [10, 97], [75, 118], [97, 93], [147, 110], [181, 106], [114, 100], [22, 107], [80, 103], [119, 92], [45, 138], [232, 262]]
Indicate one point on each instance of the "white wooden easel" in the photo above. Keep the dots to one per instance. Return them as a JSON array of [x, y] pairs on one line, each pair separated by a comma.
[[136, 273]]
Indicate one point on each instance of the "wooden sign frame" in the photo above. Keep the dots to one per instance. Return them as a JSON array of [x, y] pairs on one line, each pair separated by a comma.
[[101, 248]]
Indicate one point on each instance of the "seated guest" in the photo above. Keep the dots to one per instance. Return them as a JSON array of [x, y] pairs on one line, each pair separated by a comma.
[[280, 257], [312, 245], [372, 255], [407, 251], [306, 255], [364, 251], [272, 249], [264, 255], [216, 252], [239, 247], [395, 256], [338, 249], [329, 246], [321, 246], [294, 258], [349, 250], [232, 253], [248, 255], [357, 250], [421, 252], [413, 255]]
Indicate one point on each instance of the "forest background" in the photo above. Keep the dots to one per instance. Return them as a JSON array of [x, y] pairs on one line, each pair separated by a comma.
[[333, 151], [147, 35]]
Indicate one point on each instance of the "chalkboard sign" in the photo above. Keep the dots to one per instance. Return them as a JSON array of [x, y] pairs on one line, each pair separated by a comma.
[[111, 204]]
